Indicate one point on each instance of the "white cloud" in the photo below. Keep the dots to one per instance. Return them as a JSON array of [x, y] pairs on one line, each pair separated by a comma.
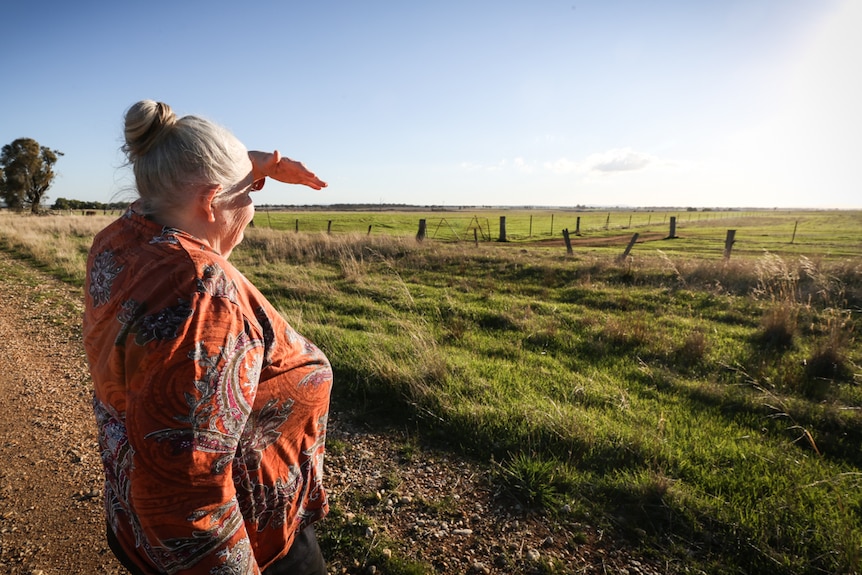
[[618, 160], [610, 161]]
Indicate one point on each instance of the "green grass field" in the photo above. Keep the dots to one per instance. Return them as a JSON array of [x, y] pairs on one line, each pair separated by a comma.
[[706, 408], [813, 233]]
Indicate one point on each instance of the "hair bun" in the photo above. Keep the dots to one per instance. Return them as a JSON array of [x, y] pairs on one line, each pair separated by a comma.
[[147, 122]]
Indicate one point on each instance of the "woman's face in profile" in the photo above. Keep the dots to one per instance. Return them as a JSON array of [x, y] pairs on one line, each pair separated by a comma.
[[234, 210]]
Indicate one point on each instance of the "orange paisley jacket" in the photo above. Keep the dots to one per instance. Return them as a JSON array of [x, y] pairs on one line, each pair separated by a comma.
[[211, 409]]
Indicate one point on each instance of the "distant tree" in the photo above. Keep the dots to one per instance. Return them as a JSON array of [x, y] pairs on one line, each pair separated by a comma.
[[65, 204], [26, 173], [62, 204]]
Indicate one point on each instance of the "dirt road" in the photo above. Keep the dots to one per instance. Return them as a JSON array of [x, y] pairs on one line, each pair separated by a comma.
[[51, 518]]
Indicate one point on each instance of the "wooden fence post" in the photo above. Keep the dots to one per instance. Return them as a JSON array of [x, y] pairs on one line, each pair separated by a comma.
[[369, 230], [420, 235], [672, 234], [476, 237], [297, 225], [629, 247], [552, 225], [502, 237], [568, 241], [608, 221], [728, 243], [329, 227], [796, 225], [531, 225], [578, 226]]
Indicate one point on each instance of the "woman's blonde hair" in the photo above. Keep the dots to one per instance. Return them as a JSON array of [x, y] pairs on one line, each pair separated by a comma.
[[173, 158]]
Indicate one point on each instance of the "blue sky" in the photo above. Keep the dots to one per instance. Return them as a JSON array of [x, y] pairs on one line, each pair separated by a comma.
[[508, 102]]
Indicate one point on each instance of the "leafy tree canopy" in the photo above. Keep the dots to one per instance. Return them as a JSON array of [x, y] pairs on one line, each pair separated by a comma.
[[26, 173], [64, 204]]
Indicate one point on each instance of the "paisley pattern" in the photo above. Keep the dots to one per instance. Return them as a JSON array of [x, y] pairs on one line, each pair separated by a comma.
[[166, 236], [163, 324], [217, 415], [237, 560], [214, 282], [211, 409], [102, 275]]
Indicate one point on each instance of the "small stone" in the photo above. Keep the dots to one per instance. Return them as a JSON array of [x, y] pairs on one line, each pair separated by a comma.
[[369, 532], [387, 553], [533, 555], [462, 532]]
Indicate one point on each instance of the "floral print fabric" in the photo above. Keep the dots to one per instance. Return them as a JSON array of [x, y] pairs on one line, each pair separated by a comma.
[[211, 409]]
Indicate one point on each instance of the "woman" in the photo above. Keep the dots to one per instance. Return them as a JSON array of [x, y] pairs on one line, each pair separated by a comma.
[[211, 409]]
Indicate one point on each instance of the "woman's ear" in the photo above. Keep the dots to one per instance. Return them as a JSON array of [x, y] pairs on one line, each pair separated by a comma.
[[205, 207]]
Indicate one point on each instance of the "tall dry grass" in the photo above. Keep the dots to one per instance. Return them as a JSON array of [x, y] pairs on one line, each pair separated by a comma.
[[269, 246], [59, 243], [61, 240]]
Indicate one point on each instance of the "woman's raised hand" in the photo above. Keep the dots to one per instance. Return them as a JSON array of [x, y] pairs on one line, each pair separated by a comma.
[[283, 169]]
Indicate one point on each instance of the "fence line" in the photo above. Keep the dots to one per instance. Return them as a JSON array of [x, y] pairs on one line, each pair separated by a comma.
[[515, 227]]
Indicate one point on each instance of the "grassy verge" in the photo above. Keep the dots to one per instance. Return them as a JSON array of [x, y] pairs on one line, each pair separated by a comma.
[[708, 410]]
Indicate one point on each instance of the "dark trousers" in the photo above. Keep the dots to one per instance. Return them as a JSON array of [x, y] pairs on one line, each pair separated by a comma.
[[304, 557]]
